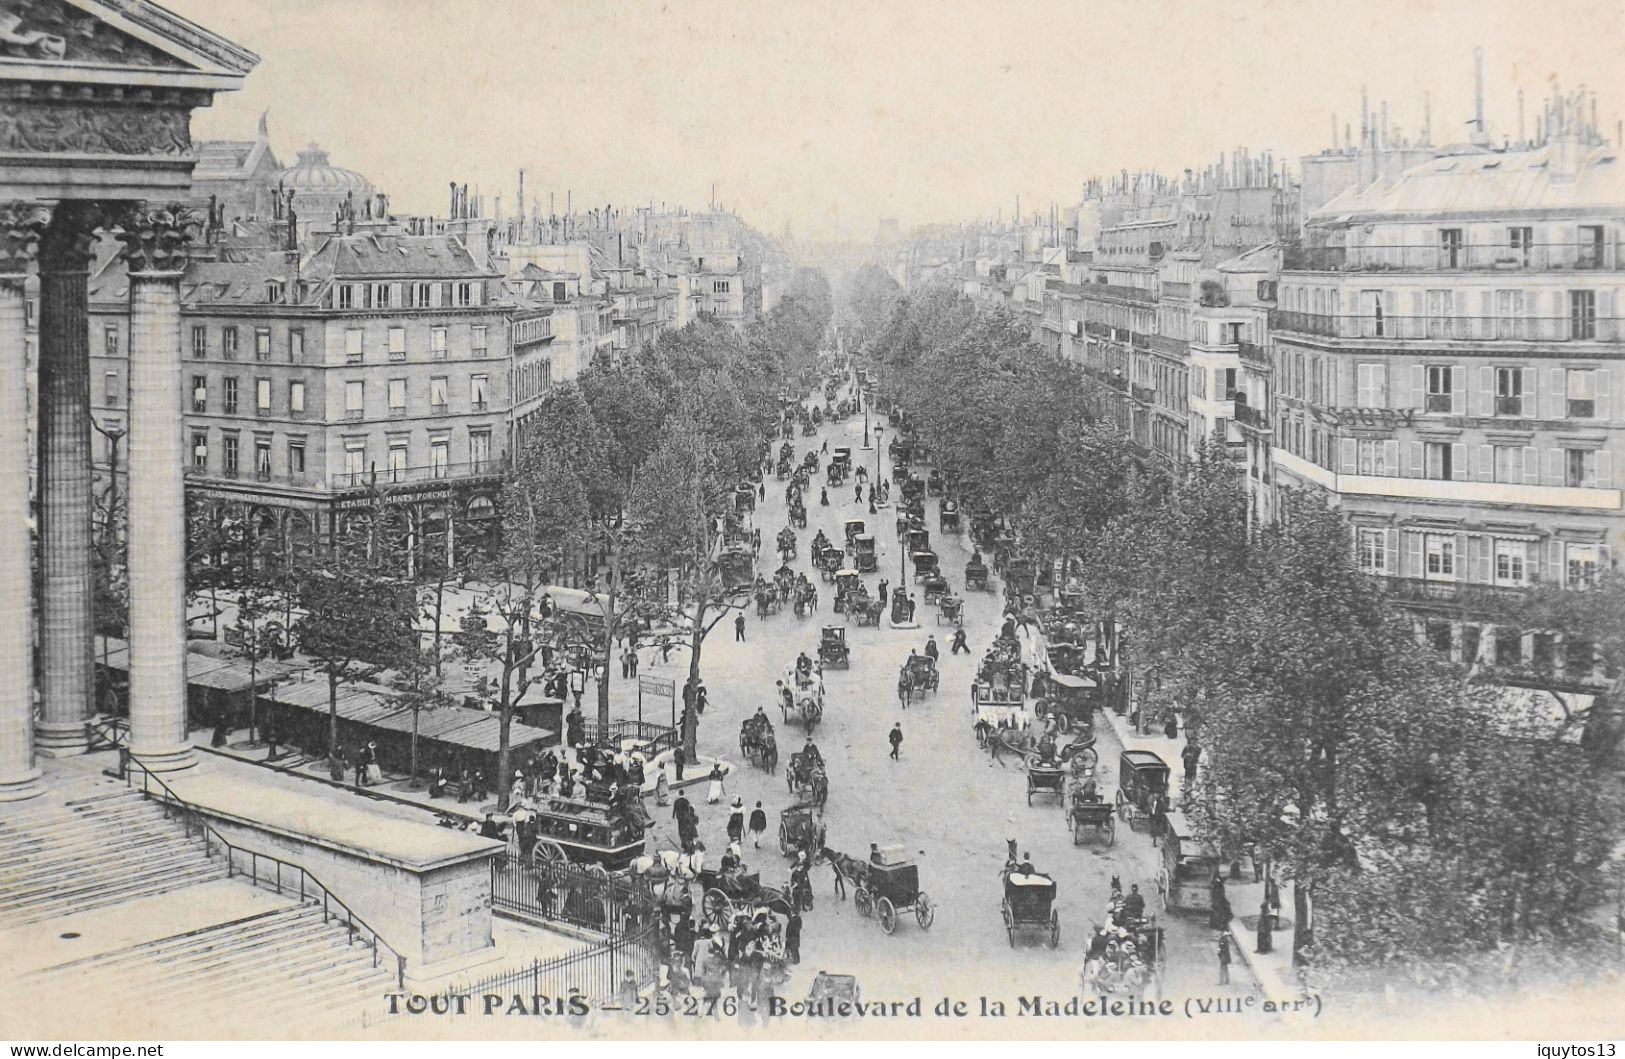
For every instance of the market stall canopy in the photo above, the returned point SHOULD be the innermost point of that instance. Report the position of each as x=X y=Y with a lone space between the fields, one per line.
x=207 y=668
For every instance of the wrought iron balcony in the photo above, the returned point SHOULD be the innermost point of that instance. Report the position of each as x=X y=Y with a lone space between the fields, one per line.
x=433 y=472
x=1250 y=417
x=1573 y=328
x=1442 y=257
x=1253 y=353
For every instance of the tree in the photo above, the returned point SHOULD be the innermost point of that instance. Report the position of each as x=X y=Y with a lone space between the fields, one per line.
x=677 y=508
x=419 y=687
x=257 y=600
x=355 y=621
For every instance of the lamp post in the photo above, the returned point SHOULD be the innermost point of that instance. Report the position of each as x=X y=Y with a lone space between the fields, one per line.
x=865 y=423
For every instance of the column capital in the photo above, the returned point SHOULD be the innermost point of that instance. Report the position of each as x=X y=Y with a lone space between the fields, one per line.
x=21 y=226
x=69 y=242
x=156 y=238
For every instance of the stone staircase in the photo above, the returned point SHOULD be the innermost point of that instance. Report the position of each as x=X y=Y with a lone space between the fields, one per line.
x=255 y=960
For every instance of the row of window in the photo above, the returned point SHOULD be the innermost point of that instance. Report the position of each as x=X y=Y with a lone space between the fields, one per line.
x=1509 y=391
x=1481 y=558
x=405 y=295
x=1575 y=468
x=354 y=343
x=479 y=395
x=358 y=467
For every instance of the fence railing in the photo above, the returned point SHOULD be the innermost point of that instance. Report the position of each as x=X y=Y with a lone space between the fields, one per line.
x=648 y=737
x=422 y=473
x=593 y=973
x=1443 y=257
x=1118 y=290
x=570 y=893
x=1573 y=328
x=109 y=733
x=1252 y=417
x=261 y=870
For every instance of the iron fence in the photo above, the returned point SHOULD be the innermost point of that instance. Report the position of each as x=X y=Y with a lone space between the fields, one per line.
x=593 y=973
x=582 y=896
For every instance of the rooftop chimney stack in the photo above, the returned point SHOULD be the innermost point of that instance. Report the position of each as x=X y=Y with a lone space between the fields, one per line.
x=1479 y=133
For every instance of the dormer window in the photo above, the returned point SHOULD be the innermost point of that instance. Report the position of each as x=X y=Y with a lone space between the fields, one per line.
x=275 y=291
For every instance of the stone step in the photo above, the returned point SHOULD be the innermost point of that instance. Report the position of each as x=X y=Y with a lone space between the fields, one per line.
x=160 y=879
x=182 y=945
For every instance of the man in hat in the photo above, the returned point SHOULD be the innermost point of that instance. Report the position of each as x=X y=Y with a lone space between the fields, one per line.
x=739 y=627
x=1224 y=958
x=896 y=740
x=1134 y=904
x=758 y=825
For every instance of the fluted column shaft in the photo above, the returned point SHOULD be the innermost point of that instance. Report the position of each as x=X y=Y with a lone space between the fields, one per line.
x=67 y=681
x=19 y=775
x=155 y=250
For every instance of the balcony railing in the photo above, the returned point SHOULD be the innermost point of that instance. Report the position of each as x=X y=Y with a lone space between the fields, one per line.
x=1253 y=418
x=432 y=472
x=1455 y=593
x=1478 y=257
x=1452 y=328
x=1146 y=394
x=1176 y=290
x=1253 y=353
x=1095 y=330
x=1118 y=290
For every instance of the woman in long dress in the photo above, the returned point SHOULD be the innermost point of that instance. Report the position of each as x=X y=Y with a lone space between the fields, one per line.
x=715 y=792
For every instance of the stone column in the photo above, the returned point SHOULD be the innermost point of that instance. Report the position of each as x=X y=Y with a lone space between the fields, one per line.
x=67 y=681
x=20 y=226
x=155 y=251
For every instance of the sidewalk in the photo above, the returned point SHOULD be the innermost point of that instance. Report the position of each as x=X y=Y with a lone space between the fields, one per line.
x=1273 y=971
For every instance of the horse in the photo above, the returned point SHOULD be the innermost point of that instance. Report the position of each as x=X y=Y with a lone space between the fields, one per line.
x=668 y=864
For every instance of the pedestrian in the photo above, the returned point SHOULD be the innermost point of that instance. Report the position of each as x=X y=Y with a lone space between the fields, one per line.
x=857 y=493
x=1224 y=958
x=736 y=821
x=896 y=740
x=758 y=825
x=715 y=791
x=885 y=586
x=792 y=936
x=931 y=648
x=702 y=699
x=761 y=493
x=662 y=786
x=679 y=759
x=632 y=657
x=1191 y=756
x=959 y=643
x=1170 y=727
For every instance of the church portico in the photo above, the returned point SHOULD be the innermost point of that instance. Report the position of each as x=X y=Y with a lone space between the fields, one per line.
x=95 y=139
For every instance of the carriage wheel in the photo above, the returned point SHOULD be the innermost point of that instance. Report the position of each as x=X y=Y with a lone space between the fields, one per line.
x=1111 y=830
x=547 y=852
x=862 y=902
x=1122 y=805
x=784 y=839
x=924 y=911
x=716 y=906
x=887 y=915
x=1054 y=930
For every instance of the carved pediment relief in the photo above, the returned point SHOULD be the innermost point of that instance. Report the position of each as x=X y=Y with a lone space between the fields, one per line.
x=60 y=31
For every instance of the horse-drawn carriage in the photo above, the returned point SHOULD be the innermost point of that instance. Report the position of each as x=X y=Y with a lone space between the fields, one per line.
x=976 y=576
x=804 y=596
x=933 y=483
x=1046 y=777
x=766 y=595
x=863 y=552
x=934 y=586
x=806 y=699
x=757 y=743
x=800 y=827
x=833 y=653
x=744 y=499
x=1142 y=785
x=829 y=561
x=782 y=471
x=737 y=566
x=1070 y=699
x=1184 y=882
x=919 y=538
x=726 y=894
x=1086 y=813
x=798 y=514
x=918 y=676
x=926 y=565
x=948 y=517
x=852 y=528
x=810 y=461
x=887 y=889
x=864 y=609
x=848 y=583
x=1019 y=579
x=805 y=778
x=950 y=608
x=1029 y=904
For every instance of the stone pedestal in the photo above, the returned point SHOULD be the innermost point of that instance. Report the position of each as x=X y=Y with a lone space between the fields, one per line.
x=67 y=683
x=19 y=775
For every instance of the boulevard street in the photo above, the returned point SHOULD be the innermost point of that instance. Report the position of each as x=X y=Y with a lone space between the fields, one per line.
x=944 y=802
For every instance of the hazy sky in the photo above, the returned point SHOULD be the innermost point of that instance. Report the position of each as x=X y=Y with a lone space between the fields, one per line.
x=830 y=115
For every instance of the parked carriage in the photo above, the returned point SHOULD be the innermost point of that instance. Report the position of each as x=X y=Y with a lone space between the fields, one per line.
x=833 y=652
x=889 y=889
x=1184 y=882
x=1029 y=905
x=948 y=517
x=950 y=610
x=787 y=544
x=935 y=587
x=848 y=583
x=851 y=528
x=926 y=565
x=1071 y=699
x=1142 y=781
x=976 y=576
